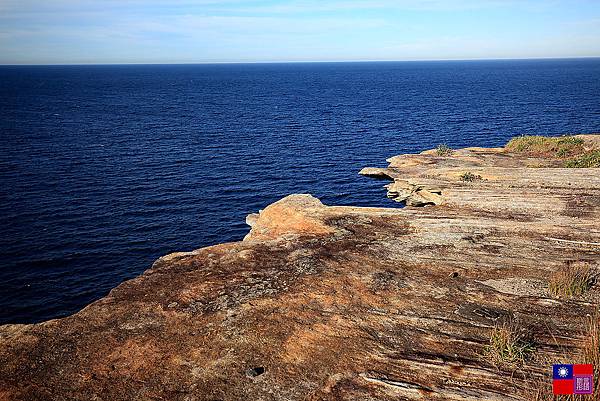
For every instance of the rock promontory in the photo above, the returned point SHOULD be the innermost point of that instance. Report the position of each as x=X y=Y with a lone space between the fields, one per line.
x=470 y=292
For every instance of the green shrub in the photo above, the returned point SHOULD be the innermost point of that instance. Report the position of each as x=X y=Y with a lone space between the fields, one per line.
x=587 y=160
x=470 y=177
x=443 y=150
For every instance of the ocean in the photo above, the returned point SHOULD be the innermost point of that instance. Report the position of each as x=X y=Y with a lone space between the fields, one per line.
x=103 y=169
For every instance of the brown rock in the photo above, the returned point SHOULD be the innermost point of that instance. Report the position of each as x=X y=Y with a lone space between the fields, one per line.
x=293 y=214
x=340 y=303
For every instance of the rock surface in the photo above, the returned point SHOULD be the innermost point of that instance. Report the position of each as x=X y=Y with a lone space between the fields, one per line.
x=341 y=303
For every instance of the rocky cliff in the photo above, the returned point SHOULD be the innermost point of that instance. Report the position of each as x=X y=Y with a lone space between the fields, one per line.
x=468 y=293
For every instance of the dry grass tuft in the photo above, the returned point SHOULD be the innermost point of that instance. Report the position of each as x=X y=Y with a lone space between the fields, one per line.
x=508 y=345
x=562 y=147
x=591 y=350
x=541 y=390
x=574 y=280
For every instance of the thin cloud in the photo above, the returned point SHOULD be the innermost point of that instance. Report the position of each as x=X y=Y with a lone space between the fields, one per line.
x=254 y=30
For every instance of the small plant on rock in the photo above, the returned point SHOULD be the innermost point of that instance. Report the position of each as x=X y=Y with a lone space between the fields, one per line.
x=541 y=388
x=591 y=349
x=508 y=345
x=470 y=177
x=573 y=280
x=443 y=150
x=587 y=160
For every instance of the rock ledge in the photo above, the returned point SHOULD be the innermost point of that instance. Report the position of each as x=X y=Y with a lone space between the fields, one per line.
x=342 y=303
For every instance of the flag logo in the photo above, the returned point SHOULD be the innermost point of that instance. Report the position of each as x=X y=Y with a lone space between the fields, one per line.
x=563 y=372
x=572 y=379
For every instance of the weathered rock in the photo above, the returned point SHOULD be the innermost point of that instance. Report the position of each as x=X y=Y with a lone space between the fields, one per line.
x=252 y=218
x=414 y=194
x=340 y=303
x=292 y=215
x=375 y=172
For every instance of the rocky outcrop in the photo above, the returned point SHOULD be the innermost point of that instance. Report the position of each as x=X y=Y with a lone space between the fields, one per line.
x=414 y=194
x=467 y=176
x=343 y=303
x=281 y=220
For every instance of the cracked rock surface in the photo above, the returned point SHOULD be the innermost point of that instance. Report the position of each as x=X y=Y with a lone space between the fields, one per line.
x=341 y=303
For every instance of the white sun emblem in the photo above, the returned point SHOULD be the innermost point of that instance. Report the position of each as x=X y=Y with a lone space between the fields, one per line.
x=563 y=372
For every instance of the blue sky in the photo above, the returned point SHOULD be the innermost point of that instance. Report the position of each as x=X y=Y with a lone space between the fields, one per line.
x=182 y=31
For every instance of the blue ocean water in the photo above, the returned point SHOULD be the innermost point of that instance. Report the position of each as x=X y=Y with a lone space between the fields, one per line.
x=105 y=168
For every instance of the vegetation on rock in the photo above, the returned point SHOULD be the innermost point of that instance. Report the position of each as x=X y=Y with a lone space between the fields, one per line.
x=541 y=389
x=443 y=150
x=572 y=281
x=591 y=350
x=562 y=146
x=508 y=345
x=586 y=160
x=469 y=177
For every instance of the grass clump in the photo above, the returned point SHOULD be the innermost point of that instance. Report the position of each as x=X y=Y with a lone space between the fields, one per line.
x=591 y=348
x=541 y=388
x=572 y=281
x=508 y=345
x=443 y=150
x=586 y=160
x=561 y=147
x=470 y=177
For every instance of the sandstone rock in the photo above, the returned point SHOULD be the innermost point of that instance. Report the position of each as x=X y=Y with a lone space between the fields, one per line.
x=414 y=194
x=340 y=303
x=375 y=172
x=252 y=218
x=290 y=215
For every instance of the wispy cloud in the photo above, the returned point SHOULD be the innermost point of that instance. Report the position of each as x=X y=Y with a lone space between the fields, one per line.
x=229 y=30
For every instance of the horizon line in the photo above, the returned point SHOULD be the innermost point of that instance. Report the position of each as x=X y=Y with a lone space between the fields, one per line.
x=302 y=61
